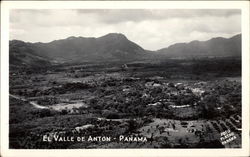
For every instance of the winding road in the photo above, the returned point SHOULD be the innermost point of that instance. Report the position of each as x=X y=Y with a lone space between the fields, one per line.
x=30 y=102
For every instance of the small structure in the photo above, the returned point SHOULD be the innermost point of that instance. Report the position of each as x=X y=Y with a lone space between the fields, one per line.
x=124 y=67
x=179 y=106
x=84 y=127
x=152 y=84
x=149 y=84
x=197 y=91
x=156 y=85
x=154 y=104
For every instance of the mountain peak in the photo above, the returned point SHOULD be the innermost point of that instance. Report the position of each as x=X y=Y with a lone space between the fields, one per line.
x=236 y=36
x=71 y=37
x=114 y=35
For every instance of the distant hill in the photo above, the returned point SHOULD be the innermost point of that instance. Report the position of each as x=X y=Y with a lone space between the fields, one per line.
x=22 y=54
x=114 y=47
x=216 y=47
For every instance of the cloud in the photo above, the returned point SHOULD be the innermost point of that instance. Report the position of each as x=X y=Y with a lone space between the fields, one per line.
x=116 y=16
x=151 y=29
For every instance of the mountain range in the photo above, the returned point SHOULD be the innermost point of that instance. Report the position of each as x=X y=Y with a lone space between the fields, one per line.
x=114 y=47
x=218 y=47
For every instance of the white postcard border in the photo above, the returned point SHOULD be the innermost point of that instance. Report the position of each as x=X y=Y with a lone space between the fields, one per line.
x=7 y=5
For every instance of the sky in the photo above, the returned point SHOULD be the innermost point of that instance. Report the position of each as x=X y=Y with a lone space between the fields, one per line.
x=151 y=29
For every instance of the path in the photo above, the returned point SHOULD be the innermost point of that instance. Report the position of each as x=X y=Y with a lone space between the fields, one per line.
x=30 y=102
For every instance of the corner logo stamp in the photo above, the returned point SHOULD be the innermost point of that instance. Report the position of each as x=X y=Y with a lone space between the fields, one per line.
x=227 y=136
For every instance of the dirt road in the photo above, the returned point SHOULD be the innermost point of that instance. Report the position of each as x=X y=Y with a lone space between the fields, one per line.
x=30 y=102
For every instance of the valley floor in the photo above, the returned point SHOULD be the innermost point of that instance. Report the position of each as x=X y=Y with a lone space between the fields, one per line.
x=160 y=105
